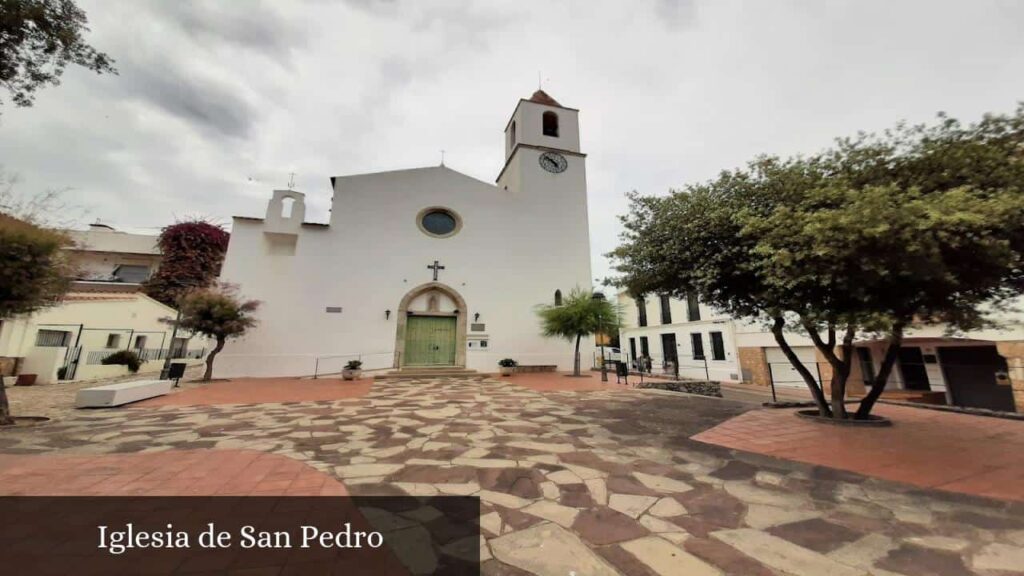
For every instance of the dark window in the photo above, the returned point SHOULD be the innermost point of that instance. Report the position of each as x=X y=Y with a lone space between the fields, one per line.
x=697 y=343
x=666 y=310
x=641 y=310
x=558 y=297
x=645 y=350
x=52 y=338
x=867 y=366
x=717 y=346
x=550 y=120
x=113 y=340
x=140 y=342
x=439 y=222
x=131 y=273
x=692 y=308
x=512 y=135
x=632 y=348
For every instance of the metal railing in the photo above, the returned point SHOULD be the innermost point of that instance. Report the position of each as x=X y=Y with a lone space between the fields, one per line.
x=95 y=357
x=681 y=367
x=334 y=363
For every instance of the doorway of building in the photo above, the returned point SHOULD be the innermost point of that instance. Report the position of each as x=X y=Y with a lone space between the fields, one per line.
x=970 y=373
x=430 y=341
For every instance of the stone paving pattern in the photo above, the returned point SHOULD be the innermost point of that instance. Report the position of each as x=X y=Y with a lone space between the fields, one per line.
x=597 y=482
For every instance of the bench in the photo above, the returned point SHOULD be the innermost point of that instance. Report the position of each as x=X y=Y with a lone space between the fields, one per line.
x=527 y=368
x=121 y=393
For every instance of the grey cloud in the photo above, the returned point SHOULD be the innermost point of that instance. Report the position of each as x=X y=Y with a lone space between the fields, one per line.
x=259 y=26
x=208 y=105
x=676 y=12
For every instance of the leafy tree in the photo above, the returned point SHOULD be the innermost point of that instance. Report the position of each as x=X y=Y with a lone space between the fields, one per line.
x=921 y=225
x=38 y=39
x=217 y=313
x=33 y=275
x=581 y=313
x=192 y=254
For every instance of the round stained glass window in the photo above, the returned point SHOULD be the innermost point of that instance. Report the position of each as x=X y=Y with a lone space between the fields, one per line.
x=439 y=222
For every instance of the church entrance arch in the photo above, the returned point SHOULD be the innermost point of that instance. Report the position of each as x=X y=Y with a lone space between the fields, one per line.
x=431 y=327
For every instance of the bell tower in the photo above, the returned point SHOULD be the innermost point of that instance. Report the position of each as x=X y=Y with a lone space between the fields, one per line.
x=542 y=121
x=542 y=149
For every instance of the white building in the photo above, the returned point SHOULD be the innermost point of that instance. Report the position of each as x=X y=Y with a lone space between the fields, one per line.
x=420 y=267
x=102 y=253
x=69 y=341
x=979 y=369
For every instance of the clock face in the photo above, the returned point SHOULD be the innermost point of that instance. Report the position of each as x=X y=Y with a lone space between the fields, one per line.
x=553 y=162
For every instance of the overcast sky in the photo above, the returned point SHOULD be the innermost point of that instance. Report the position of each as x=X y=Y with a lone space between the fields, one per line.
x=217 y=102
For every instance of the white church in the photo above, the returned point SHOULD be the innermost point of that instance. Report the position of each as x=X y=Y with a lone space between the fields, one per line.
x=424 y=267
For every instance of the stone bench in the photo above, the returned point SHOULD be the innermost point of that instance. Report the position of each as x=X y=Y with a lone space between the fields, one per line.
x=522 y=369
x=121 y=393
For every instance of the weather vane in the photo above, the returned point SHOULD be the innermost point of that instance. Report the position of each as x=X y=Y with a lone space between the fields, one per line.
x=291 y=180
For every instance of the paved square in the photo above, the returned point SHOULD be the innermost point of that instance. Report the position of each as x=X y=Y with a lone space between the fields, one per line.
x=603 y=481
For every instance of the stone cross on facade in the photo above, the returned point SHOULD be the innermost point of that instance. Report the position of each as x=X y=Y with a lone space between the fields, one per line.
x=435 y=267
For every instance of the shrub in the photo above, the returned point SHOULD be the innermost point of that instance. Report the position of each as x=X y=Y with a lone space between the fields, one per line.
x=354 y=365
x=125 y=357
x=507 y=363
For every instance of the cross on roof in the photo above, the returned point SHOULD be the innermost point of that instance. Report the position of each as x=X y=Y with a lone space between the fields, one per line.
x=435 y=267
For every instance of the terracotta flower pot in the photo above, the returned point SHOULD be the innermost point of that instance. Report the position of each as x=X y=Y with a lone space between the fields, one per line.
x=25 y=379
x=347 y=374
x=507 y=370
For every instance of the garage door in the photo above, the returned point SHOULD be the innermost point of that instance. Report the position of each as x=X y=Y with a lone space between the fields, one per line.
x=970 y=373
x=783 y=373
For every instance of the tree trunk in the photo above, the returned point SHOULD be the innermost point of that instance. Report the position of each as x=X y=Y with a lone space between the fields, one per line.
x=882 y=378
x=841 y=367
x=209 y=359
x=576 y=358
x=812 y=384
x=5 y=407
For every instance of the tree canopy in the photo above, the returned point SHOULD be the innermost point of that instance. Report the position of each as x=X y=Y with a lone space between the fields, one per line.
x=218 y=313
x=33 y=274
x=581 y=313
x=33 y=271
x=38 y=39
x=918 y=225
x=191 y=256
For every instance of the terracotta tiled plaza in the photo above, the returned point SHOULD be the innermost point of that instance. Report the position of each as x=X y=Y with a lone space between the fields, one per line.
x=581 y=478
x=927 y=448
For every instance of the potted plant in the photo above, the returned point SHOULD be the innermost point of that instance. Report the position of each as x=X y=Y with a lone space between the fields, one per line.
x=352 y=370
x=508 y=366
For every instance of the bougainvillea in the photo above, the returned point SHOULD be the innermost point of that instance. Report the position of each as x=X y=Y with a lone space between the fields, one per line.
x=193 y=252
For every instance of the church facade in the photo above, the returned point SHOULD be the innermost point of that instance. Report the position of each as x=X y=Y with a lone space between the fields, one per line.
x=420 y=267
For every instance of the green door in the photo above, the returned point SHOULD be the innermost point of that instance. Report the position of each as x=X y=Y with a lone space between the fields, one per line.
x=430 y=341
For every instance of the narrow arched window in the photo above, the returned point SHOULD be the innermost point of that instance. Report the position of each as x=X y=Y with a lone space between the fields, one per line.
x=286 y=207
x=512 y=135
x=550 y=120
x=558 y=297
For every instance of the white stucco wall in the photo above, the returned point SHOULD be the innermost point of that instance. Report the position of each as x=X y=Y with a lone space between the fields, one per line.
x=519 y=242
x=90 y=319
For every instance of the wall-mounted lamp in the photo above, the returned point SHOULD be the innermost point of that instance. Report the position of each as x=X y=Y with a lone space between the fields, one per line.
x=476 y=317
x=387 y=314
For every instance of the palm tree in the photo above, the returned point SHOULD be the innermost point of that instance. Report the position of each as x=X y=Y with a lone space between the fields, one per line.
x=581 y=313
